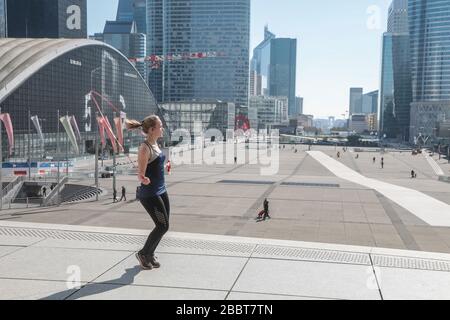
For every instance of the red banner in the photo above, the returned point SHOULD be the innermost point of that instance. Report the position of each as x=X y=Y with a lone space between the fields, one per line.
x=9 y=130
x=118 y=123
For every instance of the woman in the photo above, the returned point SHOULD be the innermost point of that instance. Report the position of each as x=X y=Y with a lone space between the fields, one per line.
x=153 y=193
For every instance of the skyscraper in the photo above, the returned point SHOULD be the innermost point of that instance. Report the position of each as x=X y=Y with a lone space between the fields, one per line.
x=275 y=63
x=298 y=105
x=429 y=26
x=398 y=17
x=283 y=66
x=356 y=100
x=125 y=11
x=396 y=95
x=47 y=18
x=2 y=18
x=188 y=26
x=133 y=10
x=155 y=39
x=370 y=102
x=122 y=35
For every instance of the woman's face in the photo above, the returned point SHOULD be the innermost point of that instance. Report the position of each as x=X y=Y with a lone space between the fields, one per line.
x=158 y=130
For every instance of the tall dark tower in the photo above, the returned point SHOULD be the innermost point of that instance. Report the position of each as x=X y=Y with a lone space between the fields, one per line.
x=47 y=18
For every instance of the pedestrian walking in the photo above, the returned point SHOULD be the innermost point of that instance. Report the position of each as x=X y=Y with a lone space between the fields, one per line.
x=114 y=195
x=153 y=192
x=169 y=167
x=266 y=210
x=374 y=159
x=124 y=194
x=44 y=192
x=413 y=174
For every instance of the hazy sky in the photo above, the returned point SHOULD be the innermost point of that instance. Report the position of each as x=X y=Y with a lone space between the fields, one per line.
x=339 y=44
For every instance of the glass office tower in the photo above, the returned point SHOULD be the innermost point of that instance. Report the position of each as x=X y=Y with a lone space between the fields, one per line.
x=201 y=26
x=2 y=18
x=125 y=10
x=429 y=25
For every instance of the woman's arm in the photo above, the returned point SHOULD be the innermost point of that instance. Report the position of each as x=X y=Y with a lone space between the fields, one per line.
x=143 y=157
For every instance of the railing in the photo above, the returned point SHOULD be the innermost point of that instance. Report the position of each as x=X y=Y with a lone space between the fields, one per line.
x=49 y=200
x=19 y=203
x=80 y=193
x=12 y=185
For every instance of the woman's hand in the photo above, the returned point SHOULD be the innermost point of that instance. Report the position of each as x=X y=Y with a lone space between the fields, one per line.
x=144 y=180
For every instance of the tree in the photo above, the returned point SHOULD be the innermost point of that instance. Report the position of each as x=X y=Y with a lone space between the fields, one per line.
x=354 y=140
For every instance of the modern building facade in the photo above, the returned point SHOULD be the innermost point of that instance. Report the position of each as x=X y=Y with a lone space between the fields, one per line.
x=125 y=11
x=133 y=10
x=47 y=19
x=283 y=66
x=359 y=123
x=298 y=106
x=271 y=111
x=3 y=24
x=123 y=36
x=429 y=27
x=398 y=17
x=356 y=100
x=370 y=102
x=396 y=88
x=187 y=26
x=61 y=74
x=275 y=65
x=197 y=117
x=155 y=46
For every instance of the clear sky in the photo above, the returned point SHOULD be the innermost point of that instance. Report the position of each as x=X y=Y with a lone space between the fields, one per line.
x=339 y=44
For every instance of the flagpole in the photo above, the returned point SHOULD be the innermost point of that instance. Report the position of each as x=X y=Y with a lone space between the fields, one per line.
x=57 y=154
x=29 y=145
x=1 y=165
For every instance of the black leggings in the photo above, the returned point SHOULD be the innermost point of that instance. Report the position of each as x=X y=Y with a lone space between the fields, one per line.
x=159 y=210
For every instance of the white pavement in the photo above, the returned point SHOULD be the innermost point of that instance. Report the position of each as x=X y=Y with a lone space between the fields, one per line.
x=434 y=212
x=433 y=163
x=39 y=261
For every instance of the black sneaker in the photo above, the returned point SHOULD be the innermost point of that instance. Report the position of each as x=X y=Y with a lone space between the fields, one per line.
x=152 y=261
x=145 y=265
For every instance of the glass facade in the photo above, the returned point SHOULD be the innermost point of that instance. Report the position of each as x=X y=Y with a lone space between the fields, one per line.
x=189 y=26
x=429 y=25
x=275 y=64
x=398 y=17
x=2 y=18
x=64 y=84
x=125 y=10
x=140 y=16
x=402 y=84
x=356 y=100
x=386 y=117
x=47 y=18
x=283 y=66
x=155 y=39
x=197 y=117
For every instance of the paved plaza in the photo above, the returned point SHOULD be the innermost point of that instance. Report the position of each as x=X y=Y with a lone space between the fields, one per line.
x=336 y=223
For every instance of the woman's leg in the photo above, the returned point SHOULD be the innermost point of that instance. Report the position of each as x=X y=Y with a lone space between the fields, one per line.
x=156 y=208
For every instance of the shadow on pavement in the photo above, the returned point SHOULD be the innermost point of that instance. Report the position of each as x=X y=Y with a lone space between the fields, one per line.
x=98 y=287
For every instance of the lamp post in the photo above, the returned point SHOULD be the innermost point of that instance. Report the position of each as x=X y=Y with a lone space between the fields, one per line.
x=29 y=145
x=1 y=165
x=57 y=155
x=96 y=161
x=114 y=159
